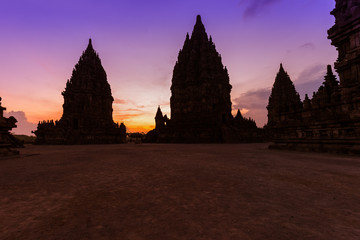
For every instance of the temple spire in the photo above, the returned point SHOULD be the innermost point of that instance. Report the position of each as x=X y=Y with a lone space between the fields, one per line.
x=159 y=113
x=283 y=98
x=330 y=78
x=198 y=19
x=329 y=70
x=281 y=68
x=199 y=30
x=238 y=115
x=90 y=47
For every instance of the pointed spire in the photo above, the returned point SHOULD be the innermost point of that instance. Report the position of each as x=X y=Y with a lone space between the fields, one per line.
x=88 y=72
x=330 y=78
x=329 y=70
x=90 y=52
x=158 y=113
x=199 y=30
x=281 y=68
x=238 y=115
x=282 y=75
x=307 y=102
x=198 y=19
x=90 y=47
x=199 y=62
x=186 y=43
x=283 y=97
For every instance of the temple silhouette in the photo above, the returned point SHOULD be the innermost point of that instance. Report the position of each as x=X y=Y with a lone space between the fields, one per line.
x=7 y=141
x=87 y=109
x=200 y=98
x=330 y=120
x=200 y=103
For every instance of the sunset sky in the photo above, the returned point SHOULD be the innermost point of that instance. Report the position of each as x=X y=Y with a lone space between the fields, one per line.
x=138 y=42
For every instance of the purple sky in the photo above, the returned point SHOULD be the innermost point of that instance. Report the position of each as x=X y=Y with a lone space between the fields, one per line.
x=138 y=42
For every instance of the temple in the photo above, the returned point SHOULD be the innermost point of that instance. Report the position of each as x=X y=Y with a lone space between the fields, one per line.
x=87 y=109
x=7 y=141
x=200 y=98
x=330 y=120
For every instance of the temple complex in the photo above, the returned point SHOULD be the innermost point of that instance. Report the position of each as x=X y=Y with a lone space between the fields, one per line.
x=7 y=141
x=200 y=98
x=87 y=109
x=330 y=120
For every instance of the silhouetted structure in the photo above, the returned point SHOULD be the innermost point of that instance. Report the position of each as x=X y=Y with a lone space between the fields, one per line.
x=7 y=141
x=200 y=102
x=330 y=120
x=283 y=99
x=87 y=109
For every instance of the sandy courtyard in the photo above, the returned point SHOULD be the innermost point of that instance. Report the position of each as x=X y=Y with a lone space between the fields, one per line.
x=145 y=191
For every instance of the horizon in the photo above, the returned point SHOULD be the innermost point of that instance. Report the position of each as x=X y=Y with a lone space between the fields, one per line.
x=138 y=48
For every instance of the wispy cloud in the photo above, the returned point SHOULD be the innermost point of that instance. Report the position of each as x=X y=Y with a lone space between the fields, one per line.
x=311 y=73
x=133 y=110
x=307 y=46
x=125 y=116
x=310 y=79
x=254 y=99
x=120 y=101
x=254 y=7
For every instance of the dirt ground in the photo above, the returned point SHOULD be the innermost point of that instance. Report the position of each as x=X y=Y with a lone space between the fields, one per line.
x=158 y=191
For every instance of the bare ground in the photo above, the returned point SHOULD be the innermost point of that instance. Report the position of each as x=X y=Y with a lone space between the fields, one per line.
x=145 y=191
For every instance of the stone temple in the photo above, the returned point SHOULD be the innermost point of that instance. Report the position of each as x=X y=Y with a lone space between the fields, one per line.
x=200 y=98
x=87 y=109
x=7 y=141
x=330 y=120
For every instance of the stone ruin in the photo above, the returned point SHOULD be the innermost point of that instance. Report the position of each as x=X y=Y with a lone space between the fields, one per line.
x=330 y=120
x=200 y=102
x=7 y=140
x=87 y=109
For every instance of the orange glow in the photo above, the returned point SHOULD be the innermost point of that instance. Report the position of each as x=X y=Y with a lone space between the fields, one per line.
x=144 y=129
x=35 y=117
x=136 y=122
x=244 y=111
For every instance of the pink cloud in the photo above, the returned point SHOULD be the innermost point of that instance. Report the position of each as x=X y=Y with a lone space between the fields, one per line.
x=23 y=125
x=120 y=101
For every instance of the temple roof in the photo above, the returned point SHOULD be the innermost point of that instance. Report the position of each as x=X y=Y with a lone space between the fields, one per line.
x=158 y=113
x=89 y=74
x=283 y=94
x=199 y=32
x=198 y=60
